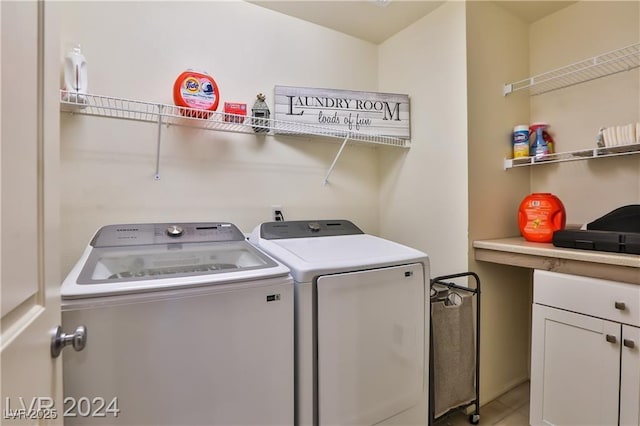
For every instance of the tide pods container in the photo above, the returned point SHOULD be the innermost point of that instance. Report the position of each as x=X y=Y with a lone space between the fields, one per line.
x=198 y=91
x=539 y=216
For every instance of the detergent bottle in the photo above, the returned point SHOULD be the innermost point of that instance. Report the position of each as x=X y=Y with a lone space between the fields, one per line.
x=75 y=76
x=540 y=147
x=539 y=216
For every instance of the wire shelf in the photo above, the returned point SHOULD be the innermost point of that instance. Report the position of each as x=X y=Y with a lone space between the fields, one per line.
x=106 y=106
x=584 y=154
x=616 y=61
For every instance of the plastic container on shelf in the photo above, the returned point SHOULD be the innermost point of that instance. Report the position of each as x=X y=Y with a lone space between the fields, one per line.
x=533 y=128
x=520 y=141
x=540 y=147
x=197 y=91
x=75 y=76
x=540 y=215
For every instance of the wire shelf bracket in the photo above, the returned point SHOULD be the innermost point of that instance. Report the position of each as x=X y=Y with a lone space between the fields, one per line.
x=609 y=63
x=162 y=114
x=157 y=175
x=335 y=160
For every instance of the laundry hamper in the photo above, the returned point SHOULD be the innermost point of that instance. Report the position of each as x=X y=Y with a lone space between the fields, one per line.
x=454 y=379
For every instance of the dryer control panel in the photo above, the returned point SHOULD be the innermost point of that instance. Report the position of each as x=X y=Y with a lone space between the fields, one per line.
x=165 y=233
x=307 y=228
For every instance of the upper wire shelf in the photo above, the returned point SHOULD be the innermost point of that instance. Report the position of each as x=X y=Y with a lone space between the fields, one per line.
x=613 y=62
x=584 y=154
x=106 y=106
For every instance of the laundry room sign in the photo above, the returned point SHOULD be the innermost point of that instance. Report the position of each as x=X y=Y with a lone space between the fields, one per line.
x=383 y=114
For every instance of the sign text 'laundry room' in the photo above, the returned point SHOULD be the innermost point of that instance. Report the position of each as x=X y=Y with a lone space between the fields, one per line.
x=383 y=114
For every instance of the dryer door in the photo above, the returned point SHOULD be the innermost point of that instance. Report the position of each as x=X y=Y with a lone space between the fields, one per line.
x=371 y=344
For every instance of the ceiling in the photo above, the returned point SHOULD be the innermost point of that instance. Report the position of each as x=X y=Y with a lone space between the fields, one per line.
x=377 y=20
x=531 y=11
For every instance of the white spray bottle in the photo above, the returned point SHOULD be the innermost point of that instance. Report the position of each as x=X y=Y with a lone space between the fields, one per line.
x=75 y=76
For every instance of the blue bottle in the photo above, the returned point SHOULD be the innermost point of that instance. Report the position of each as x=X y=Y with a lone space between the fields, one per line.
x=540 y=147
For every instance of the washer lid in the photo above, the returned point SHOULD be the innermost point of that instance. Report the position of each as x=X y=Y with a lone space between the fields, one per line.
x=156 y=261
x=124 y=259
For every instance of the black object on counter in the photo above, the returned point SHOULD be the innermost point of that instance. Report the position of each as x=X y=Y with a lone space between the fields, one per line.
x=617 y=242
x=617 y=231
x=622 y=219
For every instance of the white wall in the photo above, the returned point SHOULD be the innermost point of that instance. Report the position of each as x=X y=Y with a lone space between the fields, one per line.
x=423 y=193
x=497 y=52
x=136 y=50
x=450 y=188
x=501 y=49
x=588 y=189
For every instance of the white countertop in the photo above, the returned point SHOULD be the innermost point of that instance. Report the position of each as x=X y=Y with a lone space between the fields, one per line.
x=517 y=251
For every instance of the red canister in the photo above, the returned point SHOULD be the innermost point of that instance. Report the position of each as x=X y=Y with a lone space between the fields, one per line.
x=539 y=215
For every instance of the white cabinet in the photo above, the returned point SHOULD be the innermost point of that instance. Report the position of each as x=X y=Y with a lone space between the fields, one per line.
x=630 y=376
x=585 y=362
x=574 y=370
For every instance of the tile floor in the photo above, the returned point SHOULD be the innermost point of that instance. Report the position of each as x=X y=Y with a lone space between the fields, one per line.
x=510 y=409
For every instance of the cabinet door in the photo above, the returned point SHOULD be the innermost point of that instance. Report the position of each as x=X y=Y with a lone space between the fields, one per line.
x=630 y=376
x=575 y=368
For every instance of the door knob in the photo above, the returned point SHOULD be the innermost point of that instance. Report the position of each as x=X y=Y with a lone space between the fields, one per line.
x=59 y=340
x=611 y=338
x=629 y=343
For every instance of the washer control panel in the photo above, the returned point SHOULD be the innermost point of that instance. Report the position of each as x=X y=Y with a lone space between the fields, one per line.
x=165 y=233
x=307 y=228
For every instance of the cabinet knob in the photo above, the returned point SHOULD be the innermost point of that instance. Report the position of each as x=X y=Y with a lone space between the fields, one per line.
x=611 y=338
x=629 y=343
x=620 y=305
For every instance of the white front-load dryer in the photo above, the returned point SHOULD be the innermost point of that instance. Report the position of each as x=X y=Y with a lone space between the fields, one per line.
x=361 y=323
x=187 y=324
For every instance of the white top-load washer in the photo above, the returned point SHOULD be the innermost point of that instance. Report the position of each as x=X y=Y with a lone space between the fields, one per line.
x=187 y=324
x=361 y=323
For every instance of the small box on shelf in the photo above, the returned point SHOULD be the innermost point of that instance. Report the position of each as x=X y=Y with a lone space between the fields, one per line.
x=621 y=135
x=235 y=112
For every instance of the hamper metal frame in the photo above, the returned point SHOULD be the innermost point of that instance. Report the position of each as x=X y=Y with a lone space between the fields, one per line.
x=474 y=418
